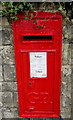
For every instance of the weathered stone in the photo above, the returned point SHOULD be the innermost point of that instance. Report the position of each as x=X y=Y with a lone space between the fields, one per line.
x=66 y=32
x=66 y=115
x=0 y=59
x=66 y=54
x=10 y=113
x=8 y=55
x=72 y=54
x=66 y=109
x=15 y=99
x=66 y=69
x=1 y=76
x=0 y=114
x=1 y=51
x=7 y=36
x=72 y=78
x=66 y=86
x=72 y=34
x=7 y=99
x=9 y=73
x=0 y=38
x=0 y=86
x=1 y=104
x=9 y=86
x=72 y=102
x=4 y=22
x=66 y=91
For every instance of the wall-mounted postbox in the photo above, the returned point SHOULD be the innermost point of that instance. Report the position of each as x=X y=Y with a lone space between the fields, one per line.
x=38 y=64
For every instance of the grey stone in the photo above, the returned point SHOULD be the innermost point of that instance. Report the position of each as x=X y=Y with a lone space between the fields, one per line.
x=66 y=54
x=0 y=27
x=66 y=114
x=1 y=51
x=65 y=101
x=72 y=78
x=7 y=99
x=7 y=36
x=0 y=114
x=9 y=86
x=66 y=32
x=72 y=34
x=0 y=86
x=10 y=113
x=72 y=100
x=8 y=55
x=0 y=38
x=66 y=91
x=0 y=59
x=5 y=22
x=66 y=109
x=72 y=54
x=1 y=76
x=66 y=70
x=15 y=99
x=9 y=73
x=1 y=104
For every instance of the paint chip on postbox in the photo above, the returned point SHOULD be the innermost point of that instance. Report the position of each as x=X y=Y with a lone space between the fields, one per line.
x=38 y=64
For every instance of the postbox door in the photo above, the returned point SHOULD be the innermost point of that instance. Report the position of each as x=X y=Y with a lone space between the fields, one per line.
x=38 y=90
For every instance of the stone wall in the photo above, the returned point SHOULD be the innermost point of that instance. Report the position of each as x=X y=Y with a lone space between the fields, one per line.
x=8 y=84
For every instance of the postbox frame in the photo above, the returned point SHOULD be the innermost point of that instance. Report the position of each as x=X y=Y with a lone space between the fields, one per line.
x=19 y=52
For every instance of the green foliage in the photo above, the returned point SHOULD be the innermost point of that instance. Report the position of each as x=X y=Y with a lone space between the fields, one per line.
x=26 y=18
x=10 y=9
x=34 y=21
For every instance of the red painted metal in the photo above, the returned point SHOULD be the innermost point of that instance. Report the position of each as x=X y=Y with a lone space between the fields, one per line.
x=38 y=97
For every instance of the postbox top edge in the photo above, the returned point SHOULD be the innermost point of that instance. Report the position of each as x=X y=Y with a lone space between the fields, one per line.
x=42 y=15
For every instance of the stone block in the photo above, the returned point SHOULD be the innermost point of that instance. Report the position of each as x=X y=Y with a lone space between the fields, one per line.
x=7 y=36
x=66 y=115
x=7 y=99
x=65 y=101
x=15 y=99
x=66 y=70
x=9 y=73
x=1 y=51
x=66 y=91
x=72 y=56
x=0 y=59
x=0 y=27
x=66 y=32
x=0 y=114
x=8 y=55
x=9 y=86
x=0 y=38
x=1 y=76
x=0 y=86
x=66 y=54
x=72 y=78
x=10 y=113
x=72 y=34
x=5 y=22
x=1 y=104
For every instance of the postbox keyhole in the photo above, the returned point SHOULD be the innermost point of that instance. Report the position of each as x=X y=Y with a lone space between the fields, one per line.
x=30 y=83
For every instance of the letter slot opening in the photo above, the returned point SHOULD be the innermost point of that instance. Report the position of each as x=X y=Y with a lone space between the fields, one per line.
x=38 y=38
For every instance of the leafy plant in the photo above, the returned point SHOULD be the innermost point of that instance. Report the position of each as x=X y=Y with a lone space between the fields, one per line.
x=10 y=9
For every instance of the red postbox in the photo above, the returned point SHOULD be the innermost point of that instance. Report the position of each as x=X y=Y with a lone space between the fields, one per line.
x=38 y=64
